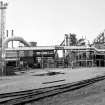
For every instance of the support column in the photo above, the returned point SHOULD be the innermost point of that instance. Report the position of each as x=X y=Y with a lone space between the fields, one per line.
x=42 y=63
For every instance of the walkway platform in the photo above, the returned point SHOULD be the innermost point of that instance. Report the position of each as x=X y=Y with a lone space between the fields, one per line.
x=35 y=79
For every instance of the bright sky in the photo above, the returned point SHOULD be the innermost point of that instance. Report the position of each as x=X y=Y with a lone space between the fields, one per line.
x=46 y=21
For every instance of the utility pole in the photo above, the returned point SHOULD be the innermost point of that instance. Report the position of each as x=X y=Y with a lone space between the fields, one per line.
x=3 y=7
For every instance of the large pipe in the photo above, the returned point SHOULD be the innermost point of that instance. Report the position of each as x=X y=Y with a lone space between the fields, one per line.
x=15 y=38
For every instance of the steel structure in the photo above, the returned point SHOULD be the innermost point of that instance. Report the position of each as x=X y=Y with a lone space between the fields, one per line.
x=83 y=54
x=43 y=48
x=3 y=7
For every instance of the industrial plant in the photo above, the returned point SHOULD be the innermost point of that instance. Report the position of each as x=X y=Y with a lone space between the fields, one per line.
x=63 y=74
x=75 y=52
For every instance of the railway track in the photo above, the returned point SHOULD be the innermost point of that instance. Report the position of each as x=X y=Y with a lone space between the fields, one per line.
x=22 y=97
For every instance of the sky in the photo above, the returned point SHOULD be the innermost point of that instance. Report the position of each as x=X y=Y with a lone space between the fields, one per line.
x=47 y=21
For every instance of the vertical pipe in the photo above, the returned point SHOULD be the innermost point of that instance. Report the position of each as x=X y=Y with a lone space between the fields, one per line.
x=1 y=36
x=7 y=35
x=93 y=59
x=66 y=39
x=42 y=61
x=86 y=58
x=64 y=57
x=69 y=40
x=12 y=33
x=104 y=36
x=7 y=32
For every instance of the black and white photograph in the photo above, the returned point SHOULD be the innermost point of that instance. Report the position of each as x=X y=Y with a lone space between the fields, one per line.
x=52 y=52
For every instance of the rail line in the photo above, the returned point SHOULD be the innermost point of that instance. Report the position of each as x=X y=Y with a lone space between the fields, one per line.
x=22 y=97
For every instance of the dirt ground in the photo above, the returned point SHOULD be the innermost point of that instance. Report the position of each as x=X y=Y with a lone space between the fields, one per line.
x=39 y=79
x=90 y=95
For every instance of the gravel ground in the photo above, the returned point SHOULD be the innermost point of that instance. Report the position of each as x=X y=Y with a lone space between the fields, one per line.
x=90 y=95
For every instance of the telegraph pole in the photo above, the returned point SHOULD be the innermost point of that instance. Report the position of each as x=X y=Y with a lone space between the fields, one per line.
x=3 y=7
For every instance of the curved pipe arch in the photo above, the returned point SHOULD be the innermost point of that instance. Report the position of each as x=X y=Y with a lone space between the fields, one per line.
x=16 y=38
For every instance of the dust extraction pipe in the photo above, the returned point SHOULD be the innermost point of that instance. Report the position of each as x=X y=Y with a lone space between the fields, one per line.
x=15 y=38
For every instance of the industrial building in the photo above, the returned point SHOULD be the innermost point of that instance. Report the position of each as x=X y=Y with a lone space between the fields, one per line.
x=78 y=55
x=75 y=52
